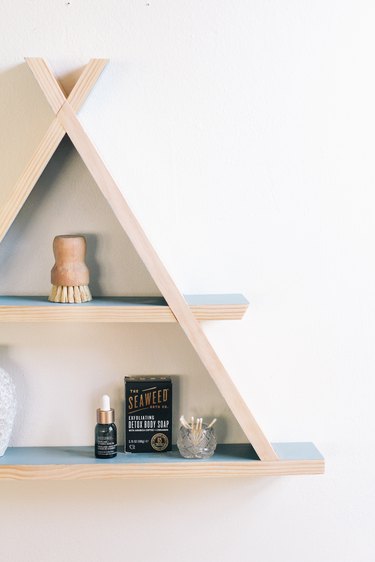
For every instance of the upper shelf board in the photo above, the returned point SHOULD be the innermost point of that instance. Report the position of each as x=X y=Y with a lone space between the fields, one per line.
x=119 y=309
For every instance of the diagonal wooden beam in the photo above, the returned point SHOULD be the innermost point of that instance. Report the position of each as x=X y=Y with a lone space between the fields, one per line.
x=47 y=82
x=86 y=82
x=53 y=135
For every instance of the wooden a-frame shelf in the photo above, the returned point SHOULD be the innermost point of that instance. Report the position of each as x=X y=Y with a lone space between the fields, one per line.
x=119 y=309
x=258 y=457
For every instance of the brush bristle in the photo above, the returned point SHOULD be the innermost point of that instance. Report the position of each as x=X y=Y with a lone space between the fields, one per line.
x=77 y=294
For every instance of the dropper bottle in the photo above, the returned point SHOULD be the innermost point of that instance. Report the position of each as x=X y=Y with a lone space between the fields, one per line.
x=105 y=430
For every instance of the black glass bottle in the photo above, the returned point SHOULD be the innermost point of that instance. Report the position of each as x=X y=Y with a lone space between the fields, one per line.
x=105 y=431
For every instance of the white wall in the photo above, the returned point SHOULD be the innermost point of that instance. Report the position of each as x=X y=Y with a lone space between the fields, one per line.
x=242 y=135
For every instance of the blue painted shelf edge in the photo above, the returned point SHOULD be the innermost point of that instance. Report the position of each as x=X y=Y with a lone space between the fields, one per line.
x=192 y=300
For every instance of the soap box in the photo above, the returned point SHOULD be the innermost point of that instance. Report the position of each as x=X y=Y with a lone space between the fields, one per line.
x=148 y=414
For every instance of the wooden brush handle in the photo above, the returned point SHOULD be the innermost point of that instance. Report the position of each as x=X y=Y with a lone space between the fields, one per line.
x=70 y=269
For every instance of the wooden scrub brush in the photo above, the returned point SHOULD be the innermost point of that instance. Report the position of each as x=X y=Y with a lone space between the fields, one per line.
x=70 y=274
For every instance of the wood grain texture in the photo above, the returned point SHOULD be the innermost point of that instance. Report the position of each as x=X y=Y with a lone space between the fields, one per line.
x=47 y=463
x=183 y=470
x=86 y=82
x=47 y=82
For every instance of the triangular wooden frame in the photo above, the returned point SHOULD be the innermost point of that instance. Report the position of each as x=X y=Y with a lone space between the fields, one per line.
x=65 y=109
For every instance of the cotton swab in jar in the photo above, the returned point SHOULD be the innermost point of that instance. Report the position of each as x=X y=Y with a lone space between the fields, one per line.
x=212 y=423
x=196 y=424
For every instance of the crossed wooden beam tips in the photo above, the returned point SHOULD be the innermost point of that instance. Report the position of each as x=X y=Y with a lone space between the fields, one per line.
x=52 y=89
x=65 y=107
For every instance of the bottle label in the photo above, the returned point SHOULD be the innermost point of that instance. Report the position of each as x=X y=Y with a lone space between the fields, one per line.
x=105 y=447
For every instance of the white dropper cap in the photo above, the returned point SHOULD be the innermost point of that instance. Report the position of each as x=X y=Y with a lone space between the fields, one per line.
x=105 y=414
x=105 y=403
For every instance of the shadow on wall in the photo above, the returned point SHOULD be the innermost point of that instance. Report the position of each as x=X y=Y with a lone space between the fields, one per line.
x=24 y=117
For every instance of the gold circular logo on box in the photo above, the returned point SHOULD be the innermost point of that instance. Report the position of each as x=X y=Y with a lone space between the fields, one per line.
x=159 y=442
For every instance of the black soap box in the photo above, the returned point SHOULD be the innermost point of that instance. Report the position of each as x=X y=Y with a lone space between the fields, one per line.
x=148 y=414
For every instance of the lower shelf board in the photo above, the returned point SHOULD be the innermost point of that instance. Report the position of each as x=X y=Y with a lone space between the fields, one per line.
x=75 y=463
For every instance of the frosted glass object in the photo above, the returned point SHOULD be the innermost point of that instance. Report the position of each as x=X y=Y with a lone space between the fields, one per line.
x=196 y=444
x=7 y=409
